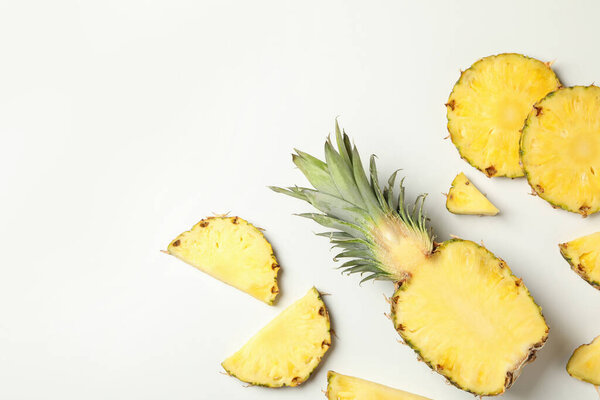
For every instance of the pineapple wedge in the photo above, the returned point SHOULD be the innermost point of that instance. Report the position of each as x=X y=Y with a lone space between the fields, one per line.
x=560 y=149
x=288 y=349
x=583 y=254
x=464 y=198
x=584 y=364
x=488 y=105
x=342 y=387
x=233 y=251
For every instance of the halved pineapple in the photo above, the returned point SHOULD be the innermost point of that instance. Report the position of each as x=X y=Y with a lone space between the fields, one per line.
x=583 y=254
x=488 y=105
x=287 y=349
x=584 y=364
x=233 y=251
x=343 y=387
x=469 y=318
x=560 y=149
x=464 y=198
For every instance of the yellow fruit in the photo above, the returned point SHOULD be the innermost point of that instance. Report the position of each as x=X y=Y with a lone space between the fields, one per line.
x=583 y=254
x=287 y=349
x=488 y=105
x=469 y=318
x=464 y=198
x=342 y=387
x=233 y=251
x=584 y=364
x=560 y=149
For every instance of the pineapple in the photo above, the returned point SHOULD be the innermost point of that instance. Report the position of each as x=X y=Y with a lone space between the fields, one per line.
x=488 y=105
x=465 y=198
x=458 y=306
x=583 y=254
x=233 y=251
x=584 y=364
x=287 y=350
x=342 y=387
x=560 y=149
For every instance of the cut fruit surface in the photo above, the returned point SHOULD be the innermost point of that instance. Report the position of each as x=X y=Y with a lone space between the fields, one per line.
x=583 y=254
x=464 y=198
x=488 y=105
x=560 y=149
x=342 y=387
x=469 y=318
x=233 y=251
x=287 y=350
x=584 y=364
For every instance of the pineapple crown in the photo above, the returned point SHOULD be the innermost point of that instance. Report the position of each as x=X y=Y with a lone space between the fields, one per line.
x=369 y=222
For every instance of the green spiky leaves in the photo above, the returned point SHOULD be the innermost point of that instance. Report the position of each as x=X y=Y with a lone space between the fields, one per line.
x=368 y=223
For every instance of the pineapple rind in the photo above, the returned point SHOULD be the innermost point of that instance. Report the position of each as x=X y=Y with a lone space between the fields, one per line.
x=511 y=373
x=464 y=198
x=257 y=272
x=583 y=255
x=496 y=155
x=312 y=303
x=566 y=173
x=584 y=363
x=343 y=387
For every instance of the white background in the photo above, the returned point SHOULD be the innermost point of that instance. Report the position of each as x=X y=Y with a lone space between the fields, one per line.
x=123 y=123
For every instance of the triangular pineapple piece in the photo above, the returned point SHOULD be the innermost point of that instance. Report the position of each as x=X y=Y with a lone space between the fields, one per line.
x=465 y=198
x=287 y=350
x=584 y=364
x=584 y=256
x=233 y=251
x=342 y=387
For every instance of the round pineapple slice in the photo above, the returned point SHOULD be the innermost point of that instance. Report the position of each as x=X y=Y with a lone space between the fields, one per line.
x=488 y=105
x=560 y=149
x=288 y=349
x=469 y=318
x=584 y=364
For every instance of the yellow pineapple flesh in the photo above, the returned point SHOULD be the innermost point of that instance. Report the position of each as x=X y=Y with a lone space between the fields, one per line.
x=233 y=251
x=343 y=387
x=287 y=350
x=464 y=198
x=488 y=105
x=583 y=254
x=469 y=318
x=560 y=149
x=584 y=364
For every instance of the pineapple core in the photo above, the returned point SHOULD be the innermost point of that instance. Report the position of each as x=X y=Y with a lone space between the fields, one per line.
x=287 y=349
x=342 y=387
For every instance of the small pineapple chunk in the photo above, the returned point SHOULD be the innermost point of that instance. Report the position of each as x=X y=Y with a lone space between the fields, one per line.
x=233 y=251
x=584 y=364
x=342 y=387
x=287 y=350
x=583 y=254
x=465 y=198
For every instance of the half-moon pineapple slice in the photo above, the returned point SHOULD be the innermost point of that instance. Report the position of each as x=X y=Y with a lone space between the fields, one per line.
x=464 y=198
x=488 y=105
x=342 y=387
x=233 y=251
x=584 y=364
x=583 y=254
x=560 y=149
x=287 y=350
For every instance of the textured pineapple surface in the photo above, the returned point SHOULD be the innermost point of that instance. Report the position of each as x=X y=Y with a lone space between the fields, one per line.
x=233 y=251
x=583 y=254
x=584 y=364
x=343 y=387
x=464 y=198
x=488 y=105
x=469 y=318
x=287 y=349
x=560 y=149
